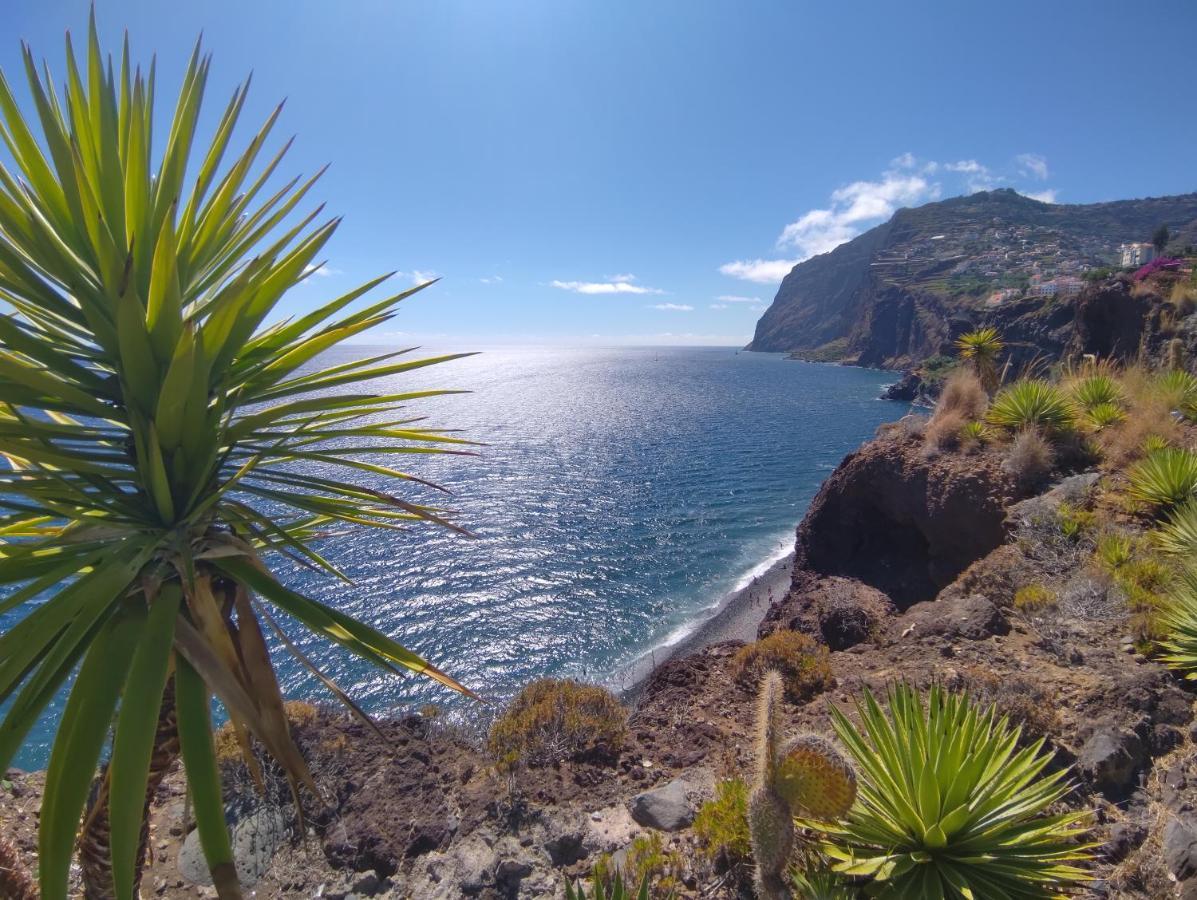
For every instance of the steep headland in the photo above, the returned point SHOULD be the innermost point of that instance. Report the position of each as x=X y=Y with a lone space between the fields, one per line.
x=901 y=292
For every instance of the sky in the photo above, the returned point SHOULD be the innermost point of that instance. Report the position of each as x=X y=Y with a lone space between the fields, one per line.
x=646 y=171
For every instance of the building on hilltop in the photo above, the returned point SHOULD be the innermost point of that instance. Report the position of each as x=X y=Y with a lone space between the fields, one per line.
x=1136 y=254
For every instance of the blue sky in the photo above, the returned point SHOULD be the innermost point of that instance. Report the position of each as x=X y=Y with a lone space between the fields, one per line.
x=644 y=171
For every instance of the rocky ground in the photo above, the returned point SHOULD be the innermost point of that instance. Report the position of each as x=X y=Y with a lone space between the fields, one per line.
x=906 y=567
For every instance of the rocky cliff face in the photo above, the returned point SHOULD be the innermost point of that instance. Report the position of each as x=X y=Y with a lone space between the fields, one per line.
x=903 y=291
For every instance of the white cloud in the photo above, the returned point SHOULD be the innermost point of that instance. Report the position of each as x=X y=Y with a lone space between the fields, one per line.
x=856 y=207
x=1045 y=196
x=323 y=270
x=492 y=279
x=673 y=307
x=1032 y=164
x=616 y=284
x=419 y=276
x=762 y=271
x=736 y=298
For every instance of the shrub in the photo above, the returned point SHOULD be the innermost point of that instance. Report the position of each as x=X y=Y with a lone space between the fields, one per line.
x=1032 y=403
x=943 y=432
x=1097 y=389
x=1073 y=522
x=1146 y=582
x=974 y=433
x=722 y=822
x=1103 y=415
x=1178 y=626
x=804 y=664
x=964 y=394
x=1029 y=460
x=608 y=887
x=551 y=720
x=1033 y=598
x=947 y=808
x=1164 y=478
x=646 y=863
x=1114 y=550
x=1178 y=389
x=1155 y=442
x=1178 y=534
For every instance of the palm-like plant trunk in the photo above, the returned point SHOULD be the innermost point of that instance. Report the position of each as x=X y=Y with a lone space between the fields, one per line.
x=95 y=846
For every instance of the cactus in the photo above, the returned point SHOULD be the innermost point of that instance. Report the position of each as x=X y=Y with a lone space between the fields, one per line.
x=807 y=777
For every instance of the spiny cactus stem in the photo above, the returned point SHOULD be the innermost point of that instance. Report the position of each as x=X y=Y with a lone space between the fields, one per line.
x=768 y=728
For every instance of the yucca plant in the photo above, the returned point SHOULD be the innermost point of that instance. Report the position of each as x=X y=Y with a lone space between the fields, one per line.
x=1103 y=415
x=982 y=348
x=161 y=438
x=1031 y=403
x=612 y=888
x=1177 y=621
x=949 y=806
x=1164 y=478
x=1097 y=389
x=1178 y=533
x=975 y=432
x=1179 y=390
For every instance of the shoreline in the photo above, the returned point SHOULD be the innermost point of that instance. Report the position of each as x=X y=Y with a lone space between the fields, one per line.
x=736 y=618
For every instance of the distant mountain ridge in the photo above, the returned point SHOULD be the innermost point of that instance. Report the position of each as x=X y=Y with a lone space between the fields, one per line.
x=899 y=292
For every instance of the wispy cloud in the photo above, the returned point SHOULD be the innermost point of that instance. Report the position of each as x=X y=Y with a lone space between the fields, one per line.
x=1046 y=196
x=736 y=298
x=673 y=307
x=615 y=284
x=323 y=270
x=419 y=276
x=492 y=279
x=856 y=207
x=1032 y=164
x=762 y=271
x=718 y=306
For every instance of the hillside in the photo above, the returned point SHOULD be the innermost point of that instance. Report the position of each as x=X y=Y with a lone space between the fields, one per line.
x=901 y=291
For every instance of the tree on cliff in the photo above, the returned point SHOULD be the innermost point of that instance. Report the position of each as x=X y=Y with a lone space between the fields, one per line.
x=152 y=426
x=1159 y=238
x=982 y=348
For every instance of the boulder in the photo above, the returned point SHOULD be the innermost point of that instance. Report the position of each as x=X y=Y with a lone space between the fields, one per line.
x=666 y=808
x=972 y=618
x=256 y=838
x=842 y=612
x=1110 y=760
x=1180 y=847
x=902 y=523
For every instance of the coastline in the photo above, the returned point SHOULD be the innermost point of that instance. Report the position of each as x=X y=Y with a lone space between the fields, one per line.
x=735 y=619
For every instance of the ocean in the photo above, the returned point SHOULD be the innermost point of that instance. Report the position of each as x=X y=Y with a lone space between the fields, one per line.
x=620 y=496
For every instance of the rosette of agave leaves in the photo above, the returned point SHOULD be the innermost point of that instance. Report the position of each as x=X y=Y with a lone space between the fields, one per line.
x=155 y=417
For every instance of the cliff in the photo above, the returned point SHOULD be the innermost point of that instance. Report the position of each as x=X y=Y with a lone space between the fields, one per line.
x=904 y=290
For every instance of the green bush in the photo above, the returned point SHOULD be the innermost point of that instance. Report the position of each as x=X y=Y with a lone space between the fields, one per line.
x=947 y=807
x=1178 y=626
x=1032 y=598
x=1098 y=389
x=1178 y=534
x=551 y=720
x=646 y=863
x=609 y=888
x=1165 y=478
x=974 y=432
x=1103 y=415
x=1178 y=388
x=803 y=663
x=1074 y=522
x=1032 y=403
x=722 y=822
x=1114 y=550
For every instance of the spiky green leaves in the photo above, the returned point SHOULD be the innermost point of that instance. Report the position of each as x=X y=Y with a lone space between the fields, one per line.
x=1031 y=403
x=982 y=348
x=1178 y=620
x=1164 y=478
x=950 y=806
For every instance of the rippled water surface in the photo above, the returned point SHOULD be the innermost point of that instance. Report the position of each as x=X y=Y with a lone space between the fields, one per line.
x=623 y=493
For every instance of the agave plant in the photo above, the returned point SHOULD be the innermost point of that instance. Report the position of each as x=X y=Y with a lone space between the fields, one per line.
x=1098 y=389
x=1164 y=478
x=1103 y=415
x=949 y=806
x=1178 y=622
x=1179 y=390
x=613 y=888
x=1178 y=533
x=156 y=431
x=982 y=348
x=1031 y=403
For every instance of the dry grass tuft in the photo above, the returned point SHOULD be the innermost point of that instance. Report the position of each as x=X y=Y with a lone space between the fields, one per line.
x=1029 y=460
x=963 y=394
x=556 y=719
